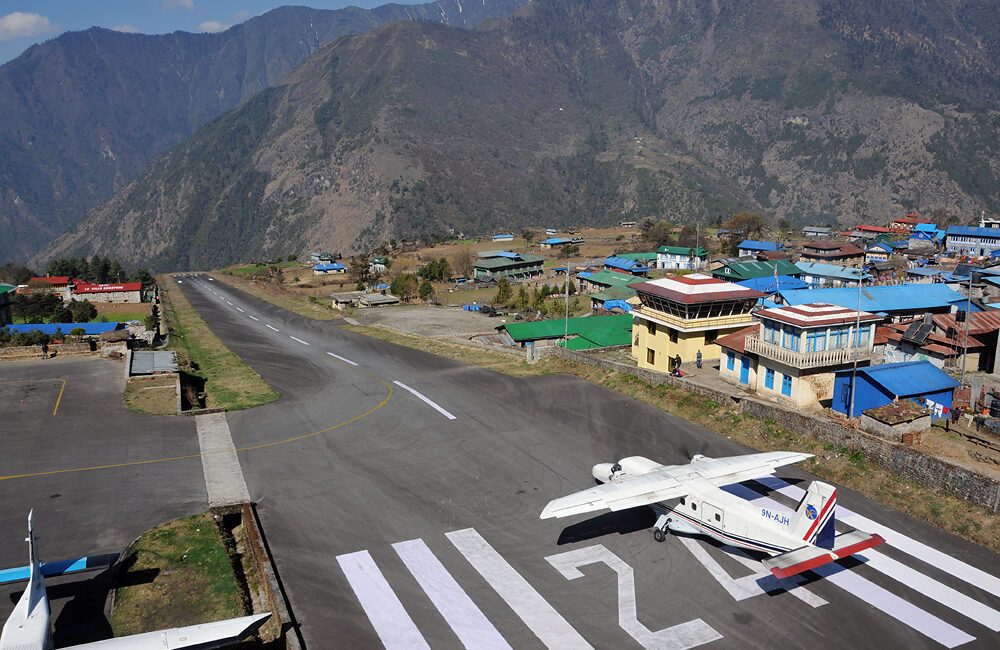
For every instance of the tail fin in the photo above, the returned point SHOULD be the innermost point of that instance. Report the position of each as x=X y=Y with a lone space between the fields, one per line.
x=814 y=520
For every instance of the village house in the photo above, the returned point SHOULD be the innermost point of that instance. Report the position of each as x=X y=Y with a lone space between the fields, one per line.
x=820 y=275
x=60 y=285
x=682 y=315
x=878 y=252
x=681 y=257
x=503 y=236
x=817 y=232
x=921 y=340
x=750 y=247
x=507 y=264
x=123 y=292
x=894 y=302
x=845 y=254
x=907 y=224
x=734 y=271
x=620 y=264
x=971 y=241
x=559 y=242
x=329 y=268
x=792 y=355
x=876 y=386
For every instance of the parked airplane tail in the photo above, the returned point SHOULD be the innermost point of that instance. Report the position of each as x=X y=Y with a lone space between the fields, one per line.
x=815 y=518
x=806 y=558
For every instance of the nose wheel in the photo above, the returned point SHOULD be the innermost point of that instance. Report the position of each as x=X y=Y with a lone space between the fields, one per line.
x=659 y=535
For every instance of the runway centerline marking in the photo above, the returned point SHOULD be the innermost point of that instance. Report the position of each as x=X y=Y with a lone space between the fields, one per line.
x=238 y=309
x=393 y=625
x=229 y=303
x=253 y=317
x=426 y=400
x=468 y=622
x=273 y=328
x=299 y=340
x=344 y=359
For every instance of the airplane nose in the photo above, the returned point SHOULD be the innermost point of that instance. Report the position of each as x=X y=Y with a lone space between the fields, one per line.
x=603 y=471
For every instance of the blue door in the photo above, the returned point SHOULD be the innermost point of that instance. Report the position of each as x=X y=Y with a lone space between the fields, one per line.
x=744 y=370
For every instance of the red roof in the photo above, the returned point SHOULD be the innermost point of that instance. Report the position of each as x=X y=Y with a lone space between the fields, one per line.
x=817 y=315
x=54 y=280
x=911 y=219
x=86 y=287
x=866 y=228
x=737 y=340
x=980 y=322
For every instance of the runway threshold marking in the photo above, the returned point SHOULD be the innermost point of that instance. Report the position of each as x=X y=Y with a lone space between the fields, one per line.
x=344 y=359
x=426 y=400
x=393 y=625
x=168 y=459
x=299 y=340
x=545 y=622
x=468 y=622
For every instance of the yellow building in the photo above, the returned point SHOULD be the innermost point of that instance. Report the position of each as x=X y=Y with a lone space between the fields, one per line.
x=684 y=314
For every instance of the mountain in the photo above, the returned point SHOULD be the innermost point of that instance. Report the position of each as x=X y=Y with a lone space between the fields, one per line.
x=585 y=113
x=86 y=111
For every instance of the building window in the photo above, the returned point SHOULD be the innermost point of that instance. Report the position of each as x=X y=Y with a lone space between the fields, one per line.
x=650 y=356
x=790 y=338
x=652 y=328
x=861 y=337
x=730 y=360
x=786 y=385
x=838 y=337
x=769 y=379
x=815 y=340
x=710 y=336
x=673 y=335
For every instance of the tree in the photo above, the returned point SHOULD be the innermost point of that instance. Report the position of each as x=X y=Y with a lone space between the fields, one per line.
x=426 y=290
x=505 y=293
x=359 y=269
x=405 y=286
x=688 y=236
x=528 y=235
x=783 y=225
x=745 y=225
x=658 y=233
x=435 y=270
x=463 y=262
x=82 y=310
x=522 y=301
x=61 y=314
x=117 y=273
x=11 y=273
x=569 y=250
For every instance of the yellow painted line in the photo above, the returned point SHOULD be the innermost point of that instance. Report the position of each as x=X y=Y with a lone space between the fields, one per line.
x=59 y=399
x=150 y=461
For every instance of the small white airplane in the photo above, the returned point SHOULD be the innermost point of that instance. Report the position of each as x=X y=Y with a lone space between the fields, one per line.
x=688 y=499
x=29 y=627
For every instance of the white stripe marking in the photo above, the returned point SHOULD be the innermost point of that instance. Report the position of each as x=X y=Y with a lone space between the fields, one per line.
x=229 y=303
x=391 y=622
x=424 y=399
x=898 y=571
x=253 y=317
x=547 y=624
x=344 y=359
x=238 y=309
x=274 y=328
x=471 y=626
x=919 y=550
x=299 y=340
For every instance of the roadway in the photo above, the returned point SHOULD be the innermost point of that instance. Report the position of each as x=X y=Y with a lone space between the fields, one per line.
x=400 y=493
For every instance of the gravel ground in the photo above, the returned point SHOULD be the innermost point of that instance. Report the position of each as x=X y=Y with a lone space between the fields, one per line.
x=432 y=322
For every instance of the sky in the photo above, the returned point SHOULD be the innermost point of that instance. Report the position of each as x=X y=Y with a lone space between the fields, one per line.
x=26 y=22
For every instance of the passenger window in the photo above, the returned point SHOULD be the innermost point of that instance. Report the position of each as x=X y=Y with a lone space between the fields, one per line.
x=682 y=501
x=694 y=506
x=718 y=517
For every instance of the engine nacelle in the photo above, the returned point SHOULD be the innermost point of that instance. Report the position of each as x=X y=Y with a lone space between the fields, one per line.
x=604 y=471
x=638 y=465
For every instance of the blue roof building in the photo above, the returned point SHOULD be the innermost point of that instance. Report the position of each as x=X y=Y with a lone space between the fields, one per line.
x=917 y=381
x=552 y=242
x=819 y=275
x=625 y=264
x=503 y=236
x=89 y=329
x=752 y=247
x=770 y=284
x=334 y=267
x=894 y=300
x=972 y=241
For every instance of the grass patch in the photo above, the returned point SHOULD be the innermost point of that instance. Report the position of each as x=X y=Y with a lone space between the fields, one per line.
x=276 y=294
x=182 y=576
x=156 y=395
x=841 y=466
x=229 y=382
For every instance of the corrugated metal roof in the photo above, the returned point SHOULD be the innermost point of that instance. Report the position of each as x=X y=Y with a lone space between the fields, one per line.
x=908 y=378
x=754 y=245
x=624 y=263
x=146 y=362
x=900 y=297
x=89 y=329
x=768 y=285
x=832 y=271
x=550 y=329
x=337 y=266
x=747 y=270
x=608 y=278
x=683 y=250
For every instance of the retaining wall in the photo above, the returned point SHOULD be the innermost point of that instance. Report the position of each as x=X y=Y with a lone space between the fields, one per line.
x=919 y=467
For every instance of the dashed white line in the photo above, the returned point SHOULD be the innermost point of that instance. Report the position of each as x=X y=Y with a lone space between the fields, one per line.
x=425 y=400
x=229 y=303
x=238 y=309
x=344 y=359
x=299 y=340
x=253 y=317
x=274 y=328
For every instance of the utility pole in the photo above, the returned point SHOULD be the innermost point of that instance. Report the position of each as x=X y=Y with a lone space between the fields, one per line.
x=968 y=317
x=857 y=333
x=566 y=320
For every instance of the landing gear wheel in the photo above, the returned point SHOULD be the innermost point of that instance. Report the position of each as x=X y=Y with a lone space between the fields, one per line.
x=659 y=535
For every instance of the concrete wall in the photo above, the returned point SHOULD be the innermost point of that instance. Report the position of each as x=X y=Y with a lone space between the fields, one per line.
x=907 y=462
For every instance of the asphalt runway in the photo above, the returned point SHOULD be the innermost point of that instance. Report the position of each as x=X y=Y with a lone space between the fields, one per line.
x=84 y=512
x=400 y=493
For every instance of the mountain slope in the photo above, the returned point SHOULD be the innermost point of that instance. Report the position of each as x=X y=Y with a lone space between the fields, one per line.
x=84 y=112
x=573 y=113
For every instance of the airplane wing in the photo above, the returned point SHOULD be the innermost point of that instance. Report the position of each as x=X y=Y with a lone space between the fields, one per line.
x=626 y=492
x=733 y=469
x=207 y=635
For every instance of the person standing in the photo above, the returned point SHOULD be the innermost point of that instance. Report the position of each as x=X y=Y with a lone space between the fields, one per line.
x=697 y=360
x=45 y=350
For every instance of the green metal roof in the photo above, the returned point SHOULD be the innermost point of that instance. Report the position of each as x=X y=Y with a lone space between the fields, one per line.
x=588 y=327
x=610 y=278
x=503 y=262
x=683 y=250
x=614 y=293
x=639 y=257
x=750 y=270
x=4 y=288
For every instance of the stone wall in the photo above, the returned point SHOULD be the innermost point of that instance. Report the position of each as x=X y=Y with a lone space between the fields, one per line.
x=912 y=464
x=894 y=431
x=35 y=352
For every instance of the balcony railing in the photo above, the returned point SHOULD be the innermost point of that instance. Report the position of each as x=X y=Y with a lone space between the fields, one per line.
x=729 y=320
x=806 y=360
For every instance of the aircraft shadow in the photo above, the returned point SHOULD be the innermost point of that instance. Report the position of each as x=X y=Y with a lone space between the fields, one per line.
x=622 y=522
